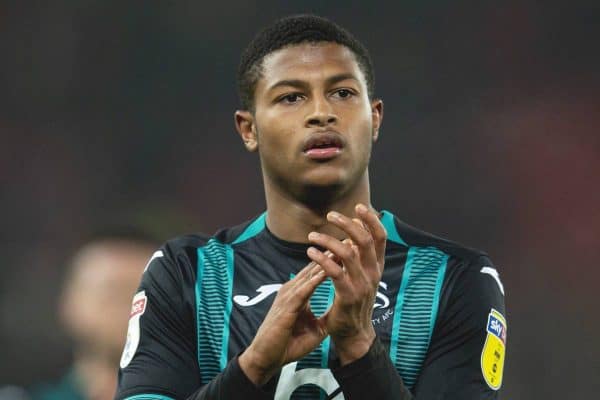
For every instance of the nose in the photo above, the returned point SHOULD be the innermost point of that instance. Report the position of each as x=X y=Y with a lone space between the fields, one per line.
x=322 y=114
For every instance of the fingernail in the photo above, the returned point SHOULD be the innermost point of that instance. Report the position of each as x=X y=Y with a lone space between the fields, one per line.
x=312 y=251
x=333 y=215
x=313 y=236
x=361 y=208
x=318 y=275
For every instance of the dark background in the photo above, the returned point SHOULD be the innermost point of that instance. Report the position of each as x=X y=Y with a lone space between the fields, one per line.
x=122 y=112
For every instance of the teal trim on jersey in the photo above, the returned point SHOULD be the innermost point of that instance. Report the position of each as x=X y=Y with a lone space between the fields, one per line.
x=253 y=229
x=416 y=310
x=320 y=301
x=149 y=396
x=198 y=290
x=327 y=341
x=214 y=285
x=437 y=293
x=228 y=307
x=387 y=220
x=400 y=303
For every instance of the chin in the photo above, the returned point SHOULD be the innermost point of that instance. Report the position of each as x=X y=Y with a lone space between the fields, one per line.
x=322 y=191
x=325 y=183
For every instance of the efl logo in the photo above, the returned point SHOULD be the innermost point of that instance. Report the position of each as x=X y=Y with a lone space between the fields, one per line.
x=497 y=328
x=138 y=307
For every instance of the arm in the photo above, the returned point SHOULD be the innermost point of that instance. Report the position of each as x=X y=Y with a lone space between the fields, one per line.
x=371 y=376
x=159 y=356
x=466 y=354
x=466 y=342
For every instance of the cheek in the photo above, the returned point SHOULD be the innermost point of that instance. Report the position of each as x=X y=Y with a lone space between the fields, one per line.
x=362 y=131
x=275 y=135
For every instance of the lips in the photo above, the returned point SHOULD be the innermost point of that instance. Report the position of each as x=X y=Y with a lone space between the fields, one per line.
x=323 y=140
x=323 y=145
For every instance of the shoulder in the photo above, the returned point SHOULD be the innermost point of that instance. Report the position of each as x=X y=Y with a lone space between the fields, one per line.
x=181 y=252
x=467 y=269
x=407 y=235
x=240 y=233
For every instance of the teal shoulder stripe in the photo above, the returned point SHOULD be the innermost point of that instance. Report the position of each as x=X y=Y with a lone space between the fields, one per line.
x=149 y=396
x=228 y=307
x=437 y=293
x=253 y=229
x=387 y=219
x=416 y=310
x=399 y=303
x=198 y=290
x=214 y=284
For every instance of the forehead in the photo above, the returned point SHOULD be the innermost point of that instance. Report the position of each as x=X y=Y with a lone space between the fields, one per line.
x=308 y=61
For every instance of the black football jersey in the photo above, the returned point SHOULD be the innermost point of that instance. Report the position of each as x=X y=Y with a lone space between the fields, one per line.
x=439 y=317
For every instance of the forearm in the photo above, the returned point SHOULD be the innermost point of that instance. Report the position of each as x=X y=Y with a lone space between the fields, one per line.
x=233 y=384
x=372 y=376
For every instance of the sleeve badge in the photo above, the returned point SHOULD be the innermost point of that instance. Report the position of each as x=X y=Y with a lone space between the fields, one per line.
x=494 y=348
x=138 y=307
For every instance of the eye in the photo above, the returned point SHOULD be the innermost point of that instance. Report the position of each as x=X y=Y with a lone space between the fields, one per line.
x=290 y=98
x=343 y=93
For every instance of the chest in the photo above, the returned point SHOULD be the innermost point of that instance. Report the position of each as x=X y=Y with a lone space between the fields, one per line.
x=235 y=290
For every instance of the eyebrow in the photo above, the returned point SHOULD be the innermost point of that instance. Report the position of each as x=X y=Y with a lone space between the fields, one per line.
x=304 y=84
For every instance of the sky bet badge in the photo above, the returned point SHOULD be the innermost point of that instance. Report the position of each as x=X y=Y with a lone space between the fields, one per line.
x=492 y=356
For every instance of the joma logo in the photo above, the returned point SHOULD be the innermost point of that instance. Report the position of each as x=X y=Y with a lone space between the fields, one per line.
x=265 y=291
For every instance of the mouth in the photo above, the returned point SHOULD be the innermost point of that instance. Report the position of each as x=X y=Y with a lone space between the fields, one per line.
x=323 y=145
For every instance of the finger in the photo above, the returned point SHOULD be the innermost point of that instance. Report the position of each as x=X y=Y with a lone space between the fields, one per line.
x=304 y=272
x=359 y=235
x=329 y=266
x=305 y=289
x=296 y=296
x=356 y=231
x=344 y=251
x=359 y=223
x=354 y=247
x=293 y=292
x=372 y=222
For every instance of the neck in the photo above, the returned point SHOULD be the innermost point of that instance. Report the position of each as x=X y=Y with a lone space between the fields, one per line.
x=292 y=217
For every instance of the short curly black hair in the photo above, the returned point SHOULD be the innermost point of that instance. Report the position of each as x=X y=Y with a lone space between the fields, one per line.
x=290 y=31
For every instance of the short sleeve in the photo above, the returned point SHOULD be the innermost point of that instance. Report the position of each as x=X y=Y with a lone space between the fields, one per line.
x=466 y=354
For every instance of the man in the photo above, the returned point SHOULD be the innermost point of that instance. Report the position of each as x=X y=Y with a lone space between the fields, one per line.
x=94 y=309
x=321 y=296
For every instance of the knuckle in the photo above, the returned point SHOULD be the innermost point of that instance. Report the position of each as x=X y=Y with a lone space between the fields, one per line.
x=383 y=233
x=364 y=239
x=336 y=273
x=380 y=234
x=348 y=253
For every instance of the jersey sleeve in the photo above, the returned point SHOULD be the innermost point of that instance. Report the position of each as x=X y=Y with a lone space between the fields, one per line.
x=371 y=377
x=466 y=354
x=158 y=358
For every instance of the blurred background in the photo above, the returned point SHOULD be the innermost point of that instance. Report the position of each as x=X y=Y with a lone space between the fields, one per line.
x=121 y=113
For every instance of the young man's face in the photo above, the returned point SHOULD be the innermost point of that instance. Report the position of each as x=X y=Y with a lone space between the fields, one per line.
x=314 y=123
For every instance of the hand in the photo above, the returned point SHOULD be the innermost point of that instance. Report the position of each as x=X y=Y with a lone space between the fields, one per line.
x=289 y=331
x=355 y=271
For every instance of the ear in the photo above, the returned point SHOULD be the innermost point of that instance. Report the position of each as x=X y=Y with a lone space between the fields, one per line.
x=377 y=117
x=246 y=127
